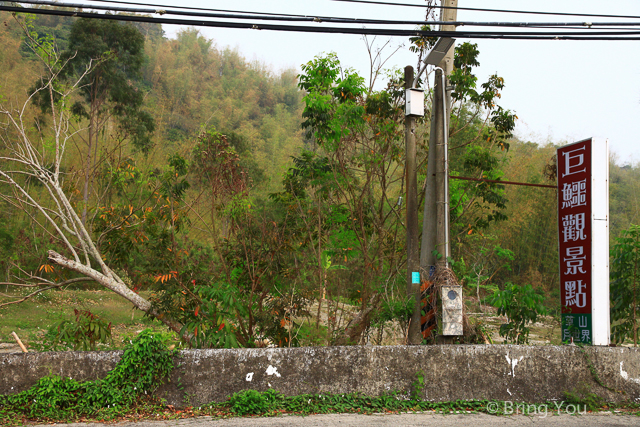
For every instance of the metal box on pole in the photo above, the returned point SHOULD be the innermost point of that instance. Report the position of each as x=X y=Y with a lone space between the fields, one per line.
x=414 y=102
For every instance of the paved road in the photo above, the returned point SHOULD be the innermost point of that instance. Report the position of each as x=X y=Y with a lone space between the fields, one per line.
x=347 y=420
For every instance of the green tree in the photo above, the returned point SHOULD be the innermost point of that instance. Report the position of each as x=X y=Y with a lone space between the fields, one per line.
x=479 y=136
x=320 y=224
x=531 y=230
x=109 y=90
x=625 y=278
x=358 y=139
x=141 y=233
x=522 y=306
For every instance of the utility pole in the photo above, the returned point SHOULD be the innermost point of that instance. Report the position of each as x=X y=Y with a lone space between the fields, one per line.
x=435 y=233
x=414 y=336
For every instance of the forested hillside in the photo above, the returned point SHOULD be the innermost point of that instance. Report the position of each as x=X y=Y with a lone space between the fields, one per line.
x=243 y=206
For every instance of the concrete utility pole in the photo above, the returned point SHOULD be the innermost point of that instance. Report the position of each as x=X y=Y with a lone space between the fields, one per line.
x=435 y=233
x=413 y=289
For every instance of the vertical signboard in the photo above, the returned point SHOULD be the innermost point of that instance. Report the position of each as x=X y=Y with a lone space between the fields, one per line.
x=583 y=226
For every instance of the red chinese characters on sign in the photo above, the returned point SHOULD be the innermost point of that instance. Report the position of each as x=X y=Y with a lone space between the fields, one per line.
x=574 y=223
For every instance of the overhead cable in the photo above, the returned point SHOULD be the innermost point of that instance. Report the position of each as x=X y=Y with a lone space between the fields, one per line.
x=169 y=10
x=478 y=9
x=594 y=35
x=319 y=19
x=165 y=6
x=373 y=2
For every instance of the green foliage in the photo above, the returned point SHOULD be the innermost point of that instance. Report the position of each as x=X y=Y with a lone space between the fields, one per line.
x=531 y=230
x=583 y=397
x=270 y=402
x=39 y=44
x=331 y=108
x=251 y=402
x=625 y=280
x=343 y=196
x=522 y=306
x=118 y=49
x=394 y=310
x=213 y=325
x=138 y=233
x=624 y=184
x=85 y=332
x=483 y=262
x=264 y=298
x=417 y=386
x=189 y=221
x=144 y=366
x=199 y=84
x=422 y=43
x=474 y=145
x=217 y=165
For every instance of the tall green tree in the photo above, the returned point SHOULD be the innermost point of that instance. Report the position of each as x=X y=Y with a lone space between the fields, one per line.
x=625 y=280
x=479 y=136
x=358 y=140
x=110 y=89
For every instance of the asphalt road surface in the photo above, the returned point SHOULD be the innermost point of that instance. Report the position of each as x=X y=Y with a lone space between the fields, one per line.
x=345 y=420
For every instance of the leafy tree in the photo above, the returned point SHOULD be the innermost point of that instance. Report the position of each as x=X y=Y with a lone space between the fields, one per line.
x=358 y=137
x=481 y=267
x=522 y=306
x=624 y=187
x=359 y=132
x=625 y=279
x=109 y=89
x=138 y=235
x=196 y=84
x=478 y=129
x=307 y=197
x=141 y=235
x=86 y=332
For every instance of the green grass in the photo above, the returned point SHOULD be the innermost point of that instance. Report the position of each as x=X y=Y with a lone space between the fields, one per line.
x=309 y=335
x=32 y=318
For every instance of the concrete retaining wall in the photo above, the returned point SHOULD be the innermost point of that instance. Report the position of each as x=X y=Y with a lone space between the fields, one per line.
x=504 y=372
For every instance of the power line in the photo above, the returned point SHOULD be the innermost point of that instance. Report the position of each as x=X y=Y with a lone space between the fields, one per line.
x=477 y=9
x=495 y=181
x=327 y=18
x=227 y=14
x=603 y=35
x=309 y=18
x=548 y=25
x=193 y=8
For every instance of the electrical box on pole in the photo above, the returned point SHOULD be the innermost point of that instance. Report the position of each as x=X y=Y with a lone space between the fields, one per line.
x=414 y=102
x=452 y=320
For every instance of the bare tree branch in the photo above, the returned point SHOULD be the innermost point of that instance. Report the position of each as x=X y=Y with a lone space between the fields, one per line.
x=30 y=285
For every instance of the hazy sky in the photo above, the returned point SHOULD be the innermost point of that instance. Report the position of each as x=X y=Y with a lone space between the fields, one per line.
x=560 y=90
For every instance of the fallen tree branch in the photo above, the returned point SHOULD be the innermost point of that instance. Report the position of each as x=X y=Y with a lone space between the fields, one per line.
x=33 y=285
x=57 y=285
x=115 y=284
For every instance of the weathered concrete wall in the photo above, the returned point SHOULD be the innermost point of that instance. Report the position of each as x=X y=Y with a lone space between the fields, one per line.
x=505 y=372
